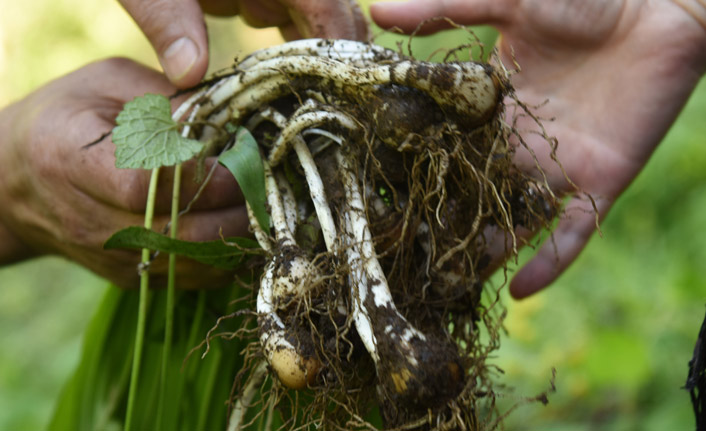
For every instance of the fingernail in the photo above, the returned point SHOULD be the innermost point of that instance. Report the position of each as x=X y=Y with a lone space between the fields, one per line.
x=179 y=57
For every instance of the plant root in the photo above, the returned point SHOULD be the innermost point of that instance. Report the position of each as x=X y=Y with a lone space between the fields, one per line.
x=382 y=175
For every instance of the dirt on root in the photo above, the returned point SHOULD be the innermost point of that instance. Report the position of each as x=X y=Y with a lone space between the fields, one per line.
x=434 y=187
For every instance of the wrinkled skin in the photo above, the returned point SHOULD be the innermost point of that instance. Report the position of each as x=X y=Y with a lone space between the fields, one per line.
x=61 y=198
x=616 y=75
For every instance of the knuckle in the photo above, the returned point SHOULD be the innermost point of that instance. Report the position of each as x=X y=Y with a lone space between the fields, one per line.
x=109 y=65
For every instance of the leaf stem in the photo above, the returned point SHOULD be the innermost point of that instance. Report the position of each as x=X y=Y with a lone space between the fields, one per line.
x=142 y=308
x=169 y=313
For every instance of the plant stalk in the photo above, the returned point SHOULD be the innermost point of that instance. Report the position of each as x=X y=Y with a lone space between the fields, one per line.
x=142 y=309
x=171 y=281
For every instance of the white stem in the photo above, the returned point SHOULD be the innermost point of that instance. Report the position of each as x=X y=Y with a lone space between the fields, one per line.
x=256 y=378
x=338 y=71
x=305 y=118
x=292 y=369
x=265 y=75
x=275 y=336
x=284 y=236
x=291 y=213
x=262 y=238
x=313 y=179
x=367 y=276
x=187 y=104
x=352 y=51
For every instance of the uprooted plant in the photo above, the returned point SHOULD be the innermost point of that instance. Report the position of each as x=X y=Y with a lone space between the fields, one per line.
x=375 y=179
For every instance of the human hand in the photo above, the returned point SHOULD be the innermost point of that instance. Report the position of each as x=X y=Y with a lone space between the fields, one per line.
x=177 y=31
x=60 y=197
x=616 y=74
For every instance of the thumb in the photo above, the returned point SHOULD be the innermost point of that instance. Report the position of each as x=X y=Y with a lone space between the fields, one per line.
x=410 y=14
x=177 y=31
x=556 y=254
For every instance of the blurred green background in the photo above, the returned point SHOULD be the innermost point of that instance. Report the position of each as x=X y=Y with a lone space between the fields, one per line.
x=619 y=326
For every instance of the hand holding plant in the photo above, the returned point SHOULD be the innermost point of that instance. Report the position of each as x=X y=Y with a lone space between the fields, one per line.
x=62 y=196
x=178 y=34
x=615 y=74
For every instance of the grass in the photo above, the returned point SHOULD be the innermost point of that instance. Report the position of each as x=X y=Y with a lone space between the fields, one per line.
x=43 y=312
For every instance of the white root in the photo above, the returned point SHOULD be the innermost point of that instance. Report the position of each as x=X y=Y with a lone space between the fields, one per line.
x=258 y=95
x=326 y=70
x=367 y=276
x=289 y=201
x=187 y=105
x=467 y=88
x=288 y=274
x=309 y=115
x=322 y=67
x=317 y=192
x=348 y=50
x=313 y=179
x=293 y=370
x=409 y=365
x=235 y=423
x=283 y=235
x=260 y=235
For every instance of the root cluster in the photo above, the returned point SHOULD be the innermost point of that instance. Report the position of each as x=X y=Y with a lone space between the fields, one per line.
x=386 y=178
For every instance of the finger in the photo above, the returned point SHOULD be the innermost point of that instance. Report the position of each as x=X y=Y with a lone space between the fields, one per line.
x=220 y=7
x=409 y=15
x=122 y=268
x=210 y=186
x=207 y=187
x=126 y=189
x=176 y=30
x=212 y=225
x=556 y=254
x=264 y=13
x=290 y=31
x=362 y=26
x=114 y=81
x=339 y=19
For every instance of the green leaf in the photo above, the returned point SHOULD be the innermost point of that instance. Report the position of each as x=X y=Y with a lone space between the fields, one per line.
x=224 y=255
x=146 y=136
x=95 y=397
x=244 y=162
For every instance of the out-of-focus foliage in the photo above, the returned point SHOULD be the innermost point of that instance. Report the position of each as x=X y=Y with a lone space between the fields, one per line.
x=619 y=326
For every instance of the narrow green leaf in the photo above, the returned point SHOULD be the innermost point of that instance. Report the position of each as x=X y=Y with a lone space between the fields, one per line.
x=146 y=136
x=224 y=255
x=244 y=162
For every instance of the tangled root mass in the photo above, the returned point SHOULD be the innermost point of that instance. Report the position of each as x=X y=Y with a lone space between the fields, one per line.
x=384 y=175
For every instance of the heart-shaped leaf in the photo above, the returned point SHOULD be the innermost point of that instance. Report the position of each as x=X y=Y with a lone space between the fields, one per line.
x=147 y=137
